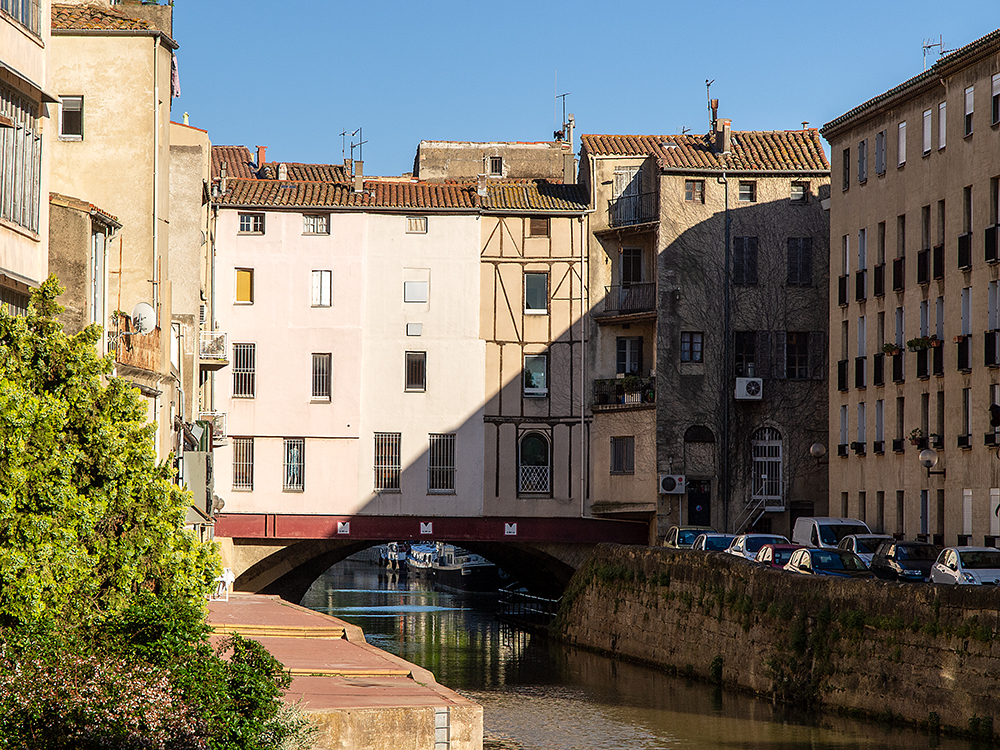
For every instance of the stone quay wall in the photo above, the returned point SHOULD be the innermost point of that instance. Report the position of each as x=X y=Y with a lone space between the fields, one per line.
x=911 y=652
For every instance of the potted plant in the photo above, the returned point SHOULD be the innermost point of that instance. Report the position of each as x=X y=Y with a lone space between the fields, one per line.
x=919 y=344
x=916 y=436
x=935 y=341
x=632 y=384
x=889 y=348
x=959 y=338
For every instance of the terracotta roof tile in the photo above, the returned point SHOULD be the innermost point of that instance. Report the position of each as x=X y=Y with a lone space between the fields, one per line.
x=535 y=195
x=376 y=194
x=239 y=162
x=93 y=17
x=752 y=150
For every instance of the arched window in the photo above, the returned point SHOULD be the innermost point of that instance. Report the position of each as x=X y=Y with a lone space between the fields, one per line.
x=533 y=463
x=767 y=479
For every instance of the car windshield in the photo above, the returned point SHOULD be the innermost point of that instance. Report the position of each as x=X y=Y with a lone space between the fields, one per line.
x=916 y=552
x=834 y=560
x=687 y=536
x=781 y=556
x=717 y=542
x=867 y=546
x=980 y=560
x=754 y=543
x=834 y=532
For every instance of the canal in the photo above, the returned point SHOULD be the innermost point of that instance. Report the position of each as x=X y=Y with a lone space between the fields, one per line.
x=538 y=694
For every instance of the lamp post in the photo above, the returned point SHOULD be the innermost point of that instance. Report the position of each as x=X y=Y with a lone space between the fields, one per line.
x=928 y=459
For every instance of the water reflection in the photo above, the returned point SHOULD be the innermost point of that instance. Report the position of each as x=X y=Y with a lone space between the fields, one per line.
x=541 y=695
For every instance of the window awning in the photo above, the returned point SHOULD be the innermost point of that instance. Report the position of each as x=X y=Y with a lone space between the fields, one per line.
x=7 y=72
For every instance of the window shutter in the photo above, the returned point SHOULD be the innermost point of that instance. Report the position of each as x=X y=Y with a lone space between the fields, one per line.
x=779 y=339
x=763 y=353
x=739 y=266
x=805 y=261
x=793 y=261
x=817 y=355
x=751 y=260
x=638 y=355
x=622 y=354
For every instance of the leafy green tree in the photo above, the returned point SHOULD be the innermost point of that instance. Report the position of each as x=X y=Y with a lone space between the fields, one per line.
x=87 y=517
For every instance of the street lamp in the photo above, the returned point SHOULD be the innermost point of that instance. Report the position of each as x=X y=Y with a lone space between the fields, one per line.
x=817 y=451
x=928 y=459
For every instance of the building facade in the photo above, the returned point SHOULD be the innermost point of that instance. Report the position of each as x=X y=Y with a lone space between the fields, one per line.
x=708 y=341
x=914 y=303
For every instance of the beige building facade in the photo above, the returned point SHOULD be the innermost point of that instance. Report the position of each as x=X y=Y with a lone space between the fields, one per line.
x=914 y=303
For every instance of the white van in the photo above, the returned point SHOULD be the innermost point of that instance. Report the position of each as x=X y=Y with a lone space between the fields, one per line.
x=824 y=531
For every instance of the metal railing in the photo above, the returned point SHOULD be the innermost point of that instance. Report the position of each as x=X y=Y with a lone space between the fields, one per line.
x=218 y=422
x=213 y=345
x=522 y=607
x=533 y=479
x=630 y=298
x=632 y=390
x=627 y=210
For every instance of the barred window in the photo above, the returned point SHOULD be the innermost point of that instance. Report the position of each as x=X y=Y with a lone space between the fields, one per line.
x=243 y=463
x=416 y=225
x=623 y=455
x=20 y=158
x=321 y=367
x=244 y=370
x=416 y=371
x=766 y=481
x=387 y=461
x=295 y=465
x=441 y=463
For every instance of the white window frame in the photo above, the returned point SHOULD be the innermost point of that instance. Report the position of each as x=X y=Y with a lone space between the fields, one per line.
x=70 y=104
x=315 y=224
x=386 y=462
x=942 y=125
x=242 y=464
x=441 y=464
x=244 y=370
x=926 y=131
x=901 y=145
x=415 y=372
x=416 y=292
x=747 y=191
x=539 y=370
x=251 y=222
x=995 y=99
x=766 y=452
x=970 y=101
x=416 y=225
x=528 y=308
x=294 y=465
x=321 y=288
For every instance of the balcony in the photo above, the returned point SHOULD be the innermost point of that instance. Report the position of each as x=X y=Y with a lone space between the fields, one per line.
x=964 y=352
x=842 y=366
x=898 y=274
x=629 y=210
x=861 y=285
x=937 y=359
x=923 y=364
x=842 y=290
x=136 y=350
x=924 y=267
x=631 y=299
x=965 y=251
x=878 y=369
x=897 y=368
x=991 y=348
x=938 y=262
x=213 y=349
x=878 y=280
x=217 y=423
x=992 y=256
x=860 y=372
x=630 y=391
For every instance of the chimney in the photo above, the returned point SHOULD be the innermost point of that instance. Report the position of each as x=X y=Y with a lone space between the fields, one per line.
x=722 y=140
x=359 y=176
x=223 y=171
x=481 y=186
x=261 y=151
x=714 y=106
x=282 y=171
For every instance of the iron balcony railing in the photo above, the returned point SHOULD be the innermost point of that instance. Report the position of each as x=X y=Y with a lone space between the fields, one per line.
x=631 y=390
x=213 y=345
x=627 y=210
x=218 y=423
x=630 y=298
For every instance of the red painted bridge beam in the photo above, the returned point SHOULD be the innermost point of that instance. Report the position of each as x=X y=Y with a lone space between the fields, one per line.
x=430 y=528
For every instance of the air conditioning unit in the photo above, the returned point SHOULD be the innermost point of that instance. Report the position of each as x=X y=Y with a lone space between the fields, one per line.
x=749 y=389
x=672 y=484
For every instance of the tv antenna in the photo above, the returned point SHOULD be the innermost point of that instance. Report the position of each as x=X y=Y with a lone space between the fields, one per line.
x=358 y=145
x=930 y=44
x=708 y=94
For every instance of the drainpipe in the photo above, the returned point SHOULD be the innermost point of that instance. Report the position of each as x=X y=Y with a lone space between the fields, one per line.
x=724 y=458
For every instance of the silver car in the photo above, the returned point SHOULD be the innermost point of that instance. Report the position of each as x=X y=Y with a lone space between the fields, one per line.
x=748 y=545
x=967 y=566
x=863 y=545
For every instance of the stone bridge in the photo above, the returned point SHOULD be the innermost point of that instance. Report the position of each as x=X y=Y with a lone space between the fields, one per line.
x=285 y=553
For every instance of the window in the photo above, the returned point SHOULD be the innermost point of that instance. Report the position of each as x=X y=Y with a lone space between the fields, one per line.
x=387 y=461
x=538 y=227
x=845 y=168
x=496 y=165
x=942 y=124
x=631 y=266
x=748 y=192
x=243 y=463
x=441 y=464
x=691 y=346
x=766 y=451
x=536 y=293
x=901 y=145
x=20 y=159
x=797 y=355
x=623 y=455
x=535 y=370
x=744 y=353
x=969 y=100
x=322 y=288
x=244 y=286
x=800 y=192
x=71 y=118
x=25 y=12
x=744 y=261
x=416 y=371
x=321 y=368
x=863 y=161
x=629 y=354
x=244 y=370
x=416 y=225
x=800 y=261
x=694 y=191
x=927 y=131
x=315 y=224
x=295 y=465
x=415 y=291
x=995 y=100
x=533 y=464
x=251 y=223
x=880 y=152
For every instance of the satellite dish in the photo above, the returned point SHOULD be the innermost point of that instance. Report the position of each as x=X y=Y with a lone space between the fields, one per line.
x=143 y=318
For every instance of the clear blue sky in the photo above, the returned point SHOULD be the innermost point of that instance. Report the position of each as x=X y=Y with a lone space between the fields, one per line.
x=292 y=76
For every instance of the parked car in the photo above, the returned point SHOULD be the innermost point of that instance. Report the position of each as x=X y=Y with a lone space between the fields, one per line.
x=967 y=566
x=827 y=562
x=748 y=545
x=863 y=545
x=776 y=555
x=712 y=542
x=904 y=561
x=682 y=537
x=825 y=531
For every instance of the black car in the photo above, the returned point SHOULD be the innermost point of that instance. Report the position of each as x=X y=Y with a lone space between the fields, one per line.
x=904 y=561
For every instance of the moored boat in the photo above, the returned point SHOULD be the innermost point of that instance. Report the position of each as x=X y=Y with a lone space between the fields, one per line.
x=457 y=568
x=420 y=559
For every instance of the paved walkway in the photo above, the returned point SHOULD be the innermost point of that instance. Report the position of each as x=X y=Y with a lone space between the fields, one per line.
x=332 y=666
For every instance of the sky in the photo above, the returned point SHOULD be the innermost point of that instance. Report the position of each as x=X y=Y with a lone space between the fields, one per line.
x=293 y=76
